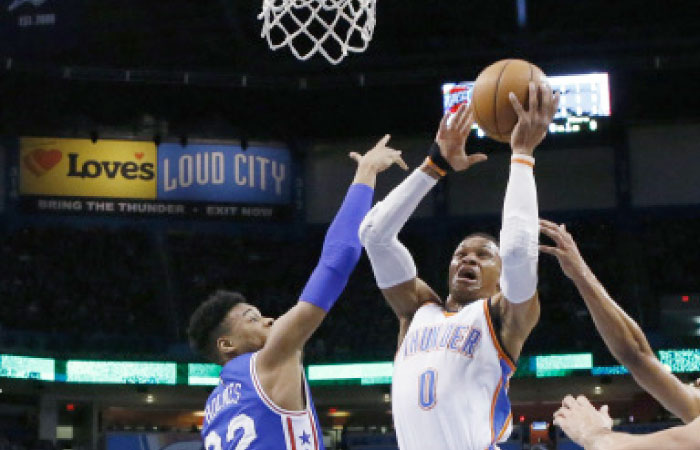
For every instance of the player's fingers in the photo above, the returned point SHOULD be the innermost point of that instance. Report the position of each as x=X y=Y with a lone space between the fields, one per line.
x=516 y=104
x=399 y=160
x=554 y=235
x=568 y=401
x=533 y=100
x=583 y=401
x=555 y=103
x=476 y=158
x=546 y=98
x=355 y=156
x=545 y=222
x=550 y=250
x=561 y=412
x=605 y=410
x=382 y=142
x=461 y=119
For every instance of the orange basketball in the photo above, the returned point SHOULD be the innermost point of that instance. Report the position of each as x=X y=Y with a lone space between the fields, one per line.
x=492 y=108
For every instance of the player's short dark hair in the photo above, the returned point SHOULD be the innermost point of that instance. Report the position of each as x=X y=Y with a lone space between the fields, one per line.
x=206 y=322
x=481 y=234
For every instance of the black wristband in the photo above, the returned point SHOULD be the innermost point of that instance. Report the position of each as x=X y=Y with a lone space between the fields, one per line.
x=437 y=159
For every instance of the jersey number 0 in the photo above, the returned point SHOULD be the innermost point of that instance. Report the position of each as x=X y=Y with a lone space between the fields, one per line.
x=427 y=397
x=241 y=421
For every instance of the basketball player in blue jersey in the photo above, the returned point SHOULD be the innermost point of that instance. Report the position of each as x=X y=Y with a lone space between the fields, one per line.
x=590 y=427
x=262 y=401
x=455 y=358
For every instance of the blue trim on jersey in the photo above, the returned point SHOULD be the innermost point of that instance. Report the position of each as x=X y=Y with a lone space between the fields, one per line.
x=502 y=409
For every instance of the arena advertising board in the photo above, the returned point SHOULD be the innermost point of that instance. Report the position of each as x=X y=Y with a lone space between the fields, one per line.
x=116 y=177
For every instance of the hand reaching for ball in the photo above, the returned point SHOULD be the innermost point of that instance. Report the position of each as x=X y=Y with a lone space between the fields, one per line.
x=452 y=136
x=533 y=123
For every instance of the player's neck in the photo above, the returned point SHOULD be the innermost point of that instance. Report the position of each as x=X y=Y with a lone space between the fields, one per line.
x=455 y=304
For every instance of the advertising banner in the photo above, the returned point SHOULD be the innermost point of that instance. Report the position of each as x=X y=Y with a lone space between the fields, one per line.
x=113 y=177
x=225 y=174
x=81 y=168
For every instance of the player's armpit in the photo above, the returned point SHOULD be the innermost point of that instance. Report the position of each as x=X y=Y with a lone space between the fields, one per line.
x=518 y=320
x=672 y=393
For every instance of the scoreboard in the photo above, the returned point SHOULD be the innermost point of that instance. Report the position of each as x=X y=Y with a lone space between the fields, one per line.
x=584 y=99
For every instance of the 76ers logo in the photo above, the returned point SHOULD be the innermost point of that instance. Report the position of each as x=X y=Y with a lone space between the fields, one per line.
x=456 y=96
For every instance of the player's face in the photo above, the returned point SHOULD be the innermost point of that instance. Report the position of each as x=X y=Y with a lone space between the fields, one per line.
x=475 y=269
x=249 y=329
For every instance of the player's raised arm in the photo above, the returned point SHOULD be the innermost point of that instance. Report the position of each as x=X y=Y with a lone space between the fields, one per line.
x=519 y=228
x=591 y=428
x=621 y=334
x=341 y=251
x=393 y=265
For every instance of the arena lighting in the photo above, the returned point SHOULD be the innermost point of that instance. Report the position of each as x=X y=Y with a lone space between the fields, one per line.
x=554 y=365
x=151 y=372
x=522 y=419
x=118 y=372
x=70 y=407
x=203 y=374
x=681 y=361
x=685 y=298
x=27 y=367
x=609 y=370
x=366 y=373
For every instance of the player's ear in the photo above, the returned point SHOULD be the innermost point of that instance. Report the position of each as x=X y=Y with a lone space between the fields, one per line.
x=226 y=345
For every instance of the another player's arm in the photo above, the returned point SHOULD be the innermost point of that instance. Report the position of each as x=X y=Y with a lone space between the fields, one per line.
x=623 y=337
x=341 y=251
x=591 y=428
x=393 y=265
x=519 y=230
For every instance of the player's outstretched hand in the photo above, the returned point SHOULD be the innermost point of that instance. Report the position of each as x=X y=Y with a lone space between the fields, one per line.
x=581 y=422
x=533 y=124
x=452 y=139
x=380 y=157
x=566 y=250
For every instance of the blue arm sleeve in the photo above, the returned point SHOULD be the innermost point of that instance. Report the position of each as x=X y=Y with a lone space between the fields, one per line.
x=341 y=250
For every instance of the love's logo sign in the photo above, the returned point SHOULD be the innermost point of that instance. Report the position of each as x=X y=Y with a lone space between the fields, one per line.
x=40 y=160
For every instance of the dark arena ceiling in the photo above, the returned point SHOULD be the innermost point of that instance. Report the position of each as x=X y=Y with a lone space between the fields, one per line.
x=111 y=61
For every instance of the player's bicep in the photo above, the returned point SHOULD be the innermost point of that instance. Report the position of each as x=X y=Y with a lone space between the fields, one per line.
x=674 y=395
x=518 y=321
x=289 y=333
x=405 y=298
x=521 y=318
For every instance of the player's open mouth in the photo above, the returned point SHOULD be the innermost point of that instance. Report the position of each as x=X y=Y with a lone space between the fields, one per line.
x=468 y=275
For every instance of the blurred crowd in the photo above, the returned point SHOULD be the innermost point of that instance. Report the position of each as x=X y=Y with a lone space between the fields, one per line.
x=114 y=291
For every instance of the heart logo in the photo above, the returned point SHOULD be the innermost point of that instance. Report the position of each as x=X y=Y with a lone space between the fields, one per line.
x=138 y=155
x=41 y=161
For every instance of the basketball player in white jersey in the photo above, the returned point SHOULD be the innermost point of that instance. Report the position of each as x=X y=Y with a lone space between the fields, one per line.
x=590 y=427
x=455 y=358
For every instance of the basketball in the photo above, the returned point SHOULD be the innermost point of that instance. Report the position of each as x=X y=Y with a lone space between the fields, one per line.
x=492 y=109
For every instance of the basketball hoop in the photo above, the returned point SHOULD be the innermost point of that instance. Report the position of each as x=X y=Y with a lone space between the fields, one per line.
x=332 y=28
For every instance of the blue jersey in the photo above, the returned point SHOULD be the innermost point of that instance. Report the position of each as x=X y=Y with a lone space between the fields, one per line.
x=240 y=416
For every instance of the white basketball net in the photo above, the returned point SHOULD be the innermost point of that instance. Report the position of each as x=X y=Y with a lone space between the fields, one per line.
x=332 y=28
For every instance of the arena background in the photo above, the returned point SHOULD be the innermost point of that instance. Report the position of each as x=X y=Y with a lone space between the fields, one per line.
x=109 y=271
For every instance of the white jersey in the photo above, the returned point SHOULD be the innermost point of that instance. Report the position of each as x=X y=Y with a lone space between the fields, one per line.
x=450 y=382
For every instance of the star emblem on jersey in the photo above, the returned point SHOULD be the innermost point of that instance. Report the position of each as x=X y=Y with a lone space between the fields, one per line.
x=305 y=438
